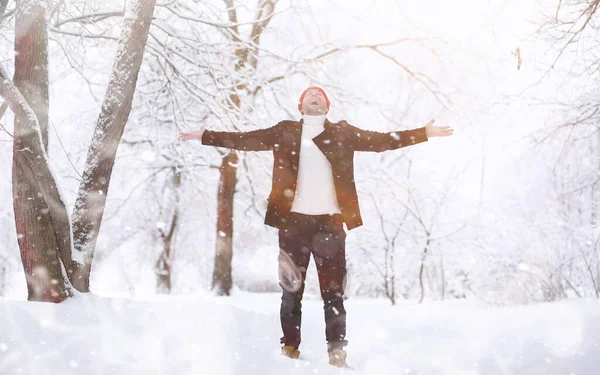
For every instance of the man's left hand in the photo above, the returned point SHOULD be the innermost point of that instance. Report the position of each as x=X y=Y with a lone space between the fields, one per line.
x=437 y=131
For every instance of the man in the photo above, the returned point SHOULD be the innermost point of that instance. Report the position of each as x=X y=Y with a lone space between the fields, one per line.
x=313 y=194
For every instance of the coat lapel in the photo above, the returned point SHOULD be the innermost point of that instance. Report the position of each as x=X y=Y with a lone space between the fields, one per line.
x=295 y=147
x=324 y=140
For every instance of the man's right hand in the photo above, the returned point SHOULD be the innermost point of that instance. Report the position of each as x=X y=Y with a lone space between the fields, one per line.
x=192 y=135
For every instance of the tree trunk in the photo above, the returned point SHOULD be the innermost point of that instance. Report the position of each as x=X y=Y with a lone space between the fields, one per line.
x=3 y=272
x=222 y=281
x=31 y=60
x=31 y=80
x=41 y=219
x=163 y=264
x=423 y=258
x=245 y=58
x=165 y=259
x=91 y=199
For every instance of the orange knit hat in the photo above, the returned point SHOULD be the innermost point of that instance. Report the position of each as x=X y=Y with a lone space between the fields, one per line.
x=304 y=94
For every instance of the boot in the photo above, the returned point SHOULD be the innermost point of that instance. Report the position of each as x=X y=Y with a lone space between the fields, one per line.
x=290 y=351
x=337 y=358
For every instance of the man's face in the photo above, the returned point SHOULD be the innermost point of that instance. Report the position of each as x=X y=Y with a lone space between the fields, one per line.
x=314 y=103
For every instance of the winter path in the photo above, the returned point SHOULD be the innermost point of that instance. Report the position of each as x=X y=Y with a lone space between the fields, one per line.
x=202 y=334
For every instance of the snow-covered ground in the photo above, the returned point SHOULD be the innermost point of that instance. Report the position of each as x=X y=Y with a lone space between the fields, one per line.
x=202 y=334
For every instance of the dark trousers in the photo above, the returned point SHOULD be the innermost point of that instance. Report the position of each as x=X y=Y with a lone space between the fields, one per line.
x=325 y=238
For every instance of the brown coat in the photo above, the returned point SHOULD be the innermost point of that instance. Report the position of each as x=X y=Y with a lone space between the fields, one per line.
x=338 y=142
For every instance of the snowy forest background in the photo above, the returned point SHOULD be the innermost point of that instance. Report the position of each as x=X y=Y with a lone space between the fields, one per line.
x=506 y=210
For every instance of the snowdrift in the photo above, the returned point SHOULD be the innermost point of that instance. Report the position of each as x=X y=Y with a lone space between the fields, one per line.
x=202 y=334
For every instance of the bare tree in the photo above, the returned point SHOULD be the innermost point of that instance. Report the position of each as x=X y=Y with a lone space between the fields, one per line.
x=165 y=259
x=43 y=204
x=222 y=281
x=246 y=59
x=42 y=223
x=572 y=27
x=91 y=200
x=425 y=226
x=390 y=238
x=41 y=218
x=31 y=60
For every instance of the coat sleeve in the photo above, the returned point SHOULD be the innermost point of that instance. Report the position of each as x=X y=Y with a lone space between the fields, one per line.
x=368 y=140
x=255 y=140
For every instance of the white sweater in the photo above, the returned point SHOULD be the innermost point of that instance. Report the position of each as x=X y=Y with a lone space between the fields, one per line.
x=315 y=192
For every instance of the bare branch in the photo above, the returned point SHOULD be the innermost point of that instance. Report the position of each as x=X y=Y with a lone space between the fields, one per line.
x=591 y=9
x=89 y=18
x=371 y=46
x=3 y=4
x=3 y=109
x=231 y=11
x=16 y=101
x=90 y=36
x=424 y=79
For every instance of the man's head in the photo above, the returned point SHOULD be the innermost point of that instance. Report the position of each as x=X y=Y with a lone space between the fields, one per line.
x=314 y=102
